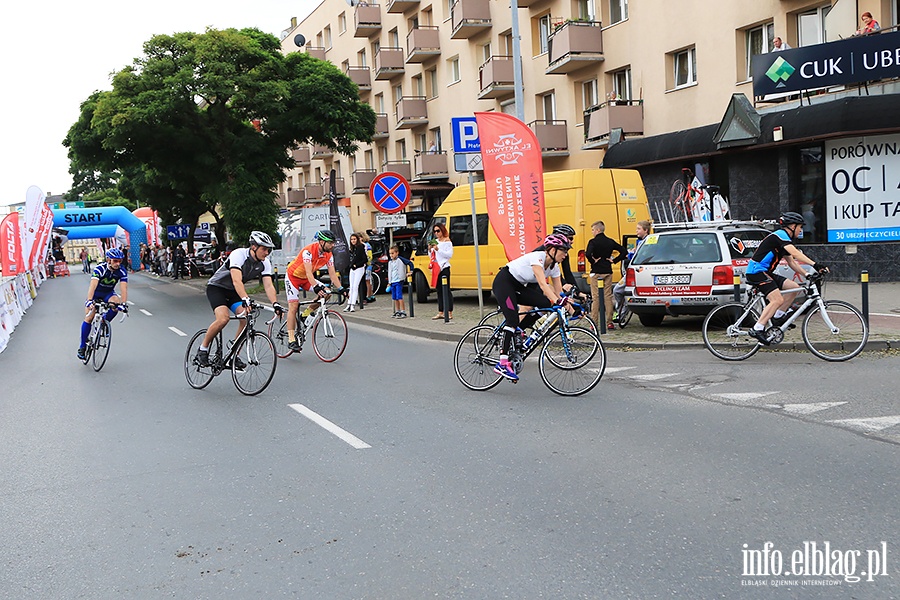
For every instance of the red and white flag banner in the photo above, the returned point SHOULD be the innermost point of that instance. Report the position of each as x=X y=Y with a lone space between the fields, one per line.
x=514 y=182
x=42 y=238
x=34 y=199
x=11 y=246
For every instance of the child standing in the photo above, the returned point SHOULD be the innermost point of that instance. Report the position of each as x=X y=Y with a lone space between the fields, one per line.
x=396 y=277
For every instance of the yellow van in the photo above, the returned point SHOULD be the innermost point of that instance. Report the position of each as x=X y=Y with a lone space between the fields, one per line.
x=577 y=197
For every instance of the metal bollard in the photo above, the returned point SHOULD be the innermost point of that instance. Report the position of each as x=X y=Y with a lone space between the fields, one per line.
x=601 y=312
x=737 y=288
x=412 y=293
x=445 y=290
x=864 y=281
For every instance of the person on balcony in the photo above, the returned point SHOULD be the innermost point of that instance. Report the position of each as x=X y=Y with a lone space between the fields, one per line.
x=778 y=45
x=870 y=25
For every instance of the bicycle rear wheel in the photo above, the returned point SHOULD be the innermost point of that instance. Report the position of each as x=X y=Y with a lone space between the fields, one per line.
x=572 y=362
x=475 y=356
x=844 y=342
x=279 y=335
x=726 y=332
x=199 y=377
x=329 y=336
x=625 y=315
x=494 y=319
x=258 y=353
x=100 y=345
x=678 y=202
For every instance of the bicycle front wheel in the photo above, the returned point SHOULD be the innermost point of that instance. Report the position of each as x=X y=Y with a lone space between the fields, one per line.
x=844 y=340
x=101 y=345
x=279 y=335
x=678 y=201
x=329 y=336
x=494 y=319
x=257 y=352
x=625 y=315
x=584 y=322
x=199 y=377
x=475 y=356
x=726 y=332
x=572 y=361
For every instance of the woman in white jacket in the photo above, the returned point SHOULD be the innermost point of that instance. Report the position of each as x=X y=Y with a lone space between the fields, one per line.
x=443 y=250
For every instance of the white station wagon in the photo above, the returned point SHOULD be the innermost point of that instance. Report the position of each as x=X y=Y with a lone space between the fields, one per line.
x=689 y=268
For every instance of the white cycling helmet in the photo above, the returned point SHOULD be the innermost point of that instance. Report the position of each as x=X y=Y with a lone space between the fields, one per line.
x=261 y=238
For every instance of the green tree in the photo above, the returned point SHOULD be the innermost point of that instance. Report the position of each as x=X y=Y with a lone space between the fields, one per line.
x=206 y=120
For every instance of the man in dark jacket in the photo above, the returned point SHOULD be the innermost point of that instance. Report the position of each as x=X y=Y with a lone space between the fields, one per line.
x=599 y=253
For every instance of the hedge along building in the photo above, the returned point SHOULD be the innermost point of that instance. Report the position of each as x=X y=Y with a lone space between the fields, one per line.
x=101 y=222
x=830 y=152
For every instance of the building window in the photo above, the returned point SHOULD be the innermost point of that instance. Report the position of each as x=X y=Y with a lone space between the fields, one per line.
x=759 y=41
x=379 y=103
x=328 y=37
x=589 y=97
x=342 y=22
x=394 y=38
x=431 y=83
x=418 y=88
x=369 y=160
x=398 y=93
x=544 y=27
x=584 y=10
x=435 y=138
x=618 y=10
x=454 y=69
x=401 y=149
x=485 y=53
x=548 y=106
x=811 y=26
x=621 y=84
x=684 y=67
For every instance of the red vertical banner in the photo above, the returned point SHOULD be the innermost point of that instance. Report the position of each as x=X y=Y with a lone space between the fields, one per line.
x=42 y=237
x=513 y=182
x=11 y=246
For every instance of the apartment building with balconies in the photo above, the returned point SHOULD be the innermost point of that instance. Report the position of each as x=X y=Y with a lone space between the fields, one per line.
x=631 y=83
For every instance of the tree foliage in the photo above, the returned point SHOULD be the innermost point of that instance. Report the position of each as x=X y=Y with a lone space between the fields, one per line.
x=202 y=121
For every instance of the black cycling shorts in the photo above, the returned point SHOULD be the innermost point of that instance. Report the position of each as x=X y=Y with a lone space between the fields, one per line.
x=219 y=296
x=766 y=282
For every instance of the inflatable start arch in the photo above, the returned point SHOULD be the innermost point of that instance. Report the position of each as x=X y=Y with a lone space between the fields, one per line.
x=101 y=222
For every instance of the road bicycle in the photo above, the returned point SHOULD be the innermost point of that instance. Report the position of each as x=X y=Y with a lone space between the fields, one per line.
x=689 y=202
x=832 y=330
x=99 y=339
x=251 y=357
x=327 y=328
x=571 y=360
x=582 y=319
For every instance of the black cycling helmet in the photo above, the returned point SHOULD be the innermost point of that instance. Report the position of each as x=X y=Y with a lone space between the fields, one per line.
x=791 y=218
x=566 y=230
x=325 y=235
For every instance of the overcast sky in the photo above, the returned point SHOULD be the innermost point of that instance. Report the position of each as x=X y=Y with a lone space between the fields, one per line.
x=53 y=56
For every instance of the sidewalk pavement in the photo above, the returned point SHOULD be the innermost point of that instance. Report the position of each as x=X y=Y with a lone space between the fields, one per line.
x=674 y=333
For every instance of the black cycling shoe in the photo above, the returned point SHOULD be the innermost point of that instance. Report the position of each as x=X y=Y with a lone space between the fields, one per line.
x=80 y=353
x=779 y=321
x=239 y=365
x=294 y=346
x=760 y=336
x=203 y=358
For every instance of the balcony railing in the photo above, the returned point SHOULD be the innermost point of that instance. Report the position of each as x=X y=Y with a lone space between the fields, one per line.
x=338 y=187
x=600 y=120
x=431 y=165
x=301 y=156
x=411 y=112
x=469 y=17
x=362 y=180
x=552 y=137
x=401 y=6
x=422 y=43
x=367 y=20
x=320 y=152
x=361 y=76
x=382 y=128
x=314 y=192
x=295 y=198
x=389 y=63
x=496 y=78
x=574 y=45
x=316 y=52
x=400 y=167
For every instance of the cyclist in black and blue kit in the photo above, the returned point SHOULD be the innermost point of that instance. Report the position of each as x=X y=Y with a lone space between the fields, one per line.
x=761 y=272
x=103 y=287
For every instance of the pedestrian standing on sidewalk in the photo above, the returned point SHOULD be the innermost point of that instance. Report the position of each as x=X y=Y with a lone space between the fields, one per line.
x=599 y=253
x=396 y=277
x=443 y=250
x=358 y=264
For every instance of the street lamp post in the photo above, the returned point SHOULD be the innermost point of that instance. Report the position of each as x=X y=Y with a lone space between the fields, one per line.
x=517 y=62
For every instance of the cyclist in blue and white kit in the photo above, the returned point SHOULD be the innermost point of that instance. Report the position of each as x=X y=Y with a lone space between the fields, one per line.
x=761 y=272
x=103 y=287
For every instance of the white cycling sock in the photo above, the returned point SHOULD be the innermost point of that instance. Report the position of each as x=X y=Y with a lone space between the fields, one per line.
x=779 y=313
x=758 y=327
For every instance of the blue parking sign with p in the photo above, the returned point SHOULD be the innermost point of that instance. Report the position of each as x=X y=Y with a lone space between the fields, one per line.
x=465 y=134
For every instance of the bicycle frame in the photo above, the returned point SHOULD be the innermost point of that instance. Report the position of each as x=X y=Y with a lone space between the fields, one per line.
x=221 y=363
x=813 y=296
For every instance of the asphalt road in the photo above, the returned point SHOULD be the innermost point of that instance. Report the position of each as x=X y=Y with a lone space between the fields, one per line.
x=127 y=483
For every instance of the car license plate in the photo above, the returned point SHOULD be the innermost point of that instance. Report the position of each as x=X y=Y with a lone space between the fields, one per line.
x=671 y=279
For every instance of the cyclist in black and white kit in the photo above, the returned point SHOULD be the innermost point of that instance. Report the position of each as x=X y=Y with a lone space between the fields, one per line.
x=511 y=289
x=225 y=289
x=761 y=272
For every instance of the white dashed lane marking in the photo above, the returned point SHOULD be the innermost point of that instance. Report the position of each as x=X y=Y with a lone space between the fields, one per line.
x=178 y=331
x=330 y=427
x=806 y=409
x=147 y=312
x=744 y=396
x=870 y=425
